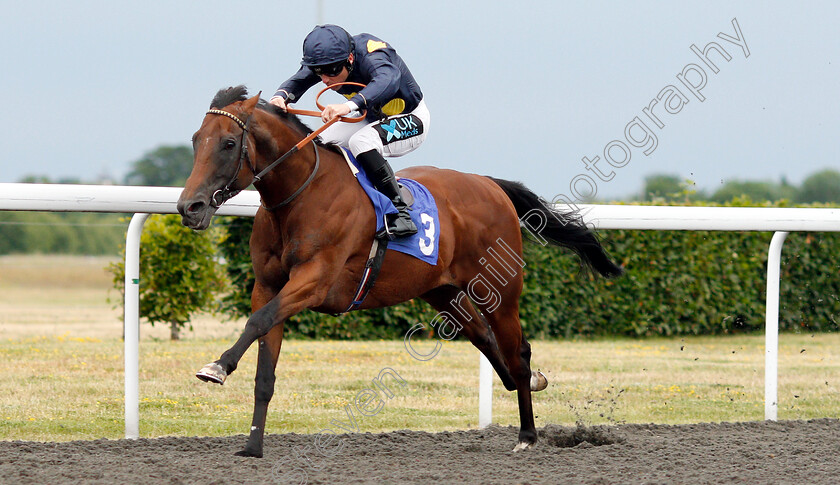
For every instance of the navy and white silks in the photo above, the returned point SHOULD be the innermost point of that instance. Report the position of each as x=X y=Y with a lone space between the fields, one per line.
x=397 y=119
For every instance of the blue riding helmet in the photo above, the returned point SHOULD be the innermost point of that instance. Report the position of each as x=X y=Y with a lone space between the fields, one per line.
x=326 y=44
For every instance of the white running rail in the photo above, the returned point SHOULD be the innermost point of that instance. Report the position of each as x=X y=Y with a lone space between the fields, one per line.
x=161 y=200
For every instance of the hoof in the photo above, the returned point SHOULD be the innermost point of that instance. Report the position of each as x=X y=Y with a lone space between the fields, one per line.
x=538 y=382
x=249 y=453
x=212 y=373
x=522 y=446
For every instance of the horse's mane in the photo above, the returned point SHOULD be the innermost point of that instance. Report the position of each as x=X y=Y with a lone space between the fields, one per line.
x=227 y=96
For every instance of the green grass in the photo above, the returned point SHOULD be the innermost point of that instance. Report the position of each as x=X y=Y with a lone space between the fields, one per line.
x=60 y=388
x=64 y=377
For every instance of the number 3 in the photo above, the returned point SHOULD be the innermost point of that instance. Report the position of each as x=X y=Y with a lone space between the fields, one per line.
x=427 y=245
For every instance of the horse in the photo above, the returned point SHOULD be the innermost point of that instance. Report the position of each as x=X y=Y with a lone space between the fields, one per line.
x=312 y=236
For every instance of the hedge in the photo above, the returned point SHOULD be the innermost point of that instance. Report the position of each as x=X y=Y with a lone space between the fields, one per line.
x=677 y=283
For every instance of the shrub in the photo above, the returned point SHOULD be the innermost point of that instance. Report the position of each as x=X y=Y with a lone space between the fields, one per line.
x=234 y=249
x=179 y=274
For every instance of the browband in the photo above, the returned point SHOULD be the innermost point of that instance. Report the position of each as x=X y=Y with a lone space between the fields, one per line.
x=229 y=115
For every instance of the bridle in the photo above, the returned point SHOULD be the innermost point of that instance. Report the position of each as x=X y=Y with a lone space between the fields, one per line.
x=220 y=196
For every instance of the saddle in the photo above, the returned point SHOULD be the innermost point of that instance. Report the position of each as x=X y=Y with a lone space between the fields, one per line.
x=423 y=245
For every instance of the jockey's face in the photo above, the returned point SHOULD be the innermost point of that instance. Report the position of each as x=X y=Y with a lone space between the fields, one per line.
x=338 y=78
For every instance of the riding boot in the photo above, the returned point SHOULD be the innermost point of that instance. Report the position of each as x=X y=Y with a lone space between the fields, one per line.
x=382 y=177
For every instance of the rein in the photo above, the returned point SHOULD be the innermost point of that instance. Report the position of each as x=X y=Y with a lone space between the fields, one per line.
x=226 y=193
x=300 y=189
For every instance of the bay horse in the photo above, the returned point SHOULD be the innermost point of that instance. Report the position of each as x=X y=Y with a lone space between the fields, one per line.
x=312 y=237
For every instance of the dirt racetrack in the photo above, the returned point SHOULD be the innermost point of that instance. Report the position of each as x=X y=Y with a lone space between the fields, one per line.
x=754 y=452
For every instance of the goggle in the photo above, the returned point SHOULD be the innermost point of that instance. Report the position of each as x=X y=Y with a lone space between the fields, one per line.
x=329 y=70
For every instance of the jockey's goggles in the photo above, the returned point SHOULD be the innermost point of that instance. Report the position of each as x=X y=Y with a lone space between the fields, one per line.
x=329 y=70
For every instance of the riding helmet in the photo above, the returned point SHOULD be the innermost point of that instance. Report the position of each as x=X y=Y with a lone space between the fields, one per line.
x=326 y=44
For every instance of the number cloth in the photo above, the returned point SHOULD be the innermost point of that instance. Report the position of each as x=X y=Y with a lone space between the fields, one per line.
x=424 y=213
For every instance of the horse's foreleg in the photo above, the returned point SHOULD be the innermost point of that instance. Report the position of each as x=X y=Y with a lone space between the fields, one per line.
x=306 y=288
x=269 y=352
x=266 y=324
x=259 y=324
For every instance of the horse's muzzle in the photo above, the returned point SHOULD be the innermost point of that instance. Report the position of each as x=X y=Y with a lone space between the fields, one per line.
x=195 y=213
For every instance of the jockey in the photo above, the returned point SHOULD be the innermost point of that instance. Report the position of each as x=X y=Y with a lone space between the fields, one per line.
x=397 y=118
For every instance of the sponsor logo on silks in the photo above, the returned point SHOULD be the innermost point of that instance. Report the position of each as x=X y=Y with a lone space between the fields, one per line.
x=400 y=128
x=373 y=45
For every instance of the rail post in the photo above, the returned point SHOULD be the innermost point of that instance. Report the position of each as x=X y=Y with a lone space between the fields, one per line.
x=132 y=325
x=485 y=392
x=771 y=331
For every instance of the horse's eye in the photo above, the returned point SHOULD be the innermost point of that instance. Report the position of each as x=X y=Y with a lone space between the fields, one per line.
x=229 y=144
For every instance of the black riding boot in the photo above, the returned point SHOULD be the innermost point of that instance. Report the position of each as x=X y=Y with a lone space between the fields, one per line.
x=382 y=177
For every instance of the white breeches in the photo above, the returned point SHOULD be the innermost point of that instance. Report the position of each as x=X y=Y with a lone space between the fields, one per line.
x=393 y=137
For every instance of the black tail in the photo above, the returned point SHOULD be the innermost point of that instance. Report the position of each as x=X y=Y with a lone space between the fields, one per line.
x=558 y=228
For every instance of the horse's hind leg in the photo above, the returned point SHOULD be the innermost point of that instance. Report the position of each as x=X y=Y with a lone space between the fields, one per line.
x=516 y=350
x=474 y=326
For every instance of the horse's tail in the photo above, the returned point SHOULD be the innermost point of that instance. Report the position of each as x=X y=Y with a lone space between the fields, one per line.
x=560 y=229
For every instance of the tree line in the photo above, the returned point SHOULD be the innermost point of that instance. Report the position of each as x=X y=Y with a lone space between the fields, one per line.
x=212 y=270
x=89 y=233
x=822 y=187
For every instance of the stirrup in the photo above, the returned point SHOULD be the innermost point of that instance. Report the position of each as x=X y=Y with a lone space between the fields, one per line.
x=392 y=230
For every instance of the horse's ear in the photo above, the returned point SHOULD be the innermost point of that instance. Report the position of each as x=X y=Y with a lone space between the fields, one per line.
x=249 y=104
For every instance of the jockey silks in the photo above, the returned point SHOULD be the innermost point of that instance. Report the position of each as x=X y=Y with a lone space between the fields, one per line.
x=391 y=88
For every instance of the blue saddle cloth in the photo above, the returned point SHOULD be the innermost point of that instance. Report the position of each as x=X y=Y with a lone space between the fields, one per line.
x=424 y=213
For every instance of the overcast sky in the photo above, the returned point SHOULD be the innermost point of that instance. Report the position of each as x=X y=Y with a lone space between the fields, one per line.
x=517 y=90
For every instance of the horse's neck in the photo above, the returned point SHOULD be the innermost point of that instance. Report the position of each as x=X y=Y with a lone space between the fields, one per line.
x=332 y=178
